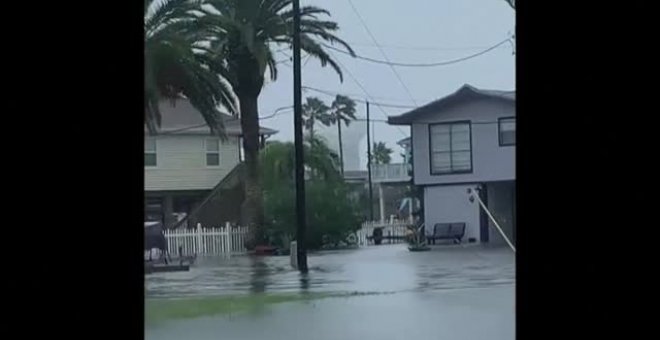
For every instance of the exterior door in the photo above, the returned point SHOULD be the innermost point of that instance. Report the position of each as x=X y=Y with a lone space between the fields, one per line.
x=513 y=234
x=483 y=217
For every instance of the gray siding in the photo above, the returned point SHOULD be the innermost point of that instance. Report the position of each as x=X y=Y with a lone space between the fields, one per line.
x=450 y=204
x=181 y=163
x=490 y=162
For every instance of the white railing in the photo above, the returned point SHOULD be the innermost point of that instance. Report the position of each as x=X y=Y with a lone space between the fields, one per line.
x=390 y=172
x=225 y=240
x=393 y=227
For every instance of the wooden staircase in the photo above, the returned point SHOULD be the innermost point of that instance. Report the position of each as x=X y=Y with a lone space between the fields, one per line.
x=221 y=205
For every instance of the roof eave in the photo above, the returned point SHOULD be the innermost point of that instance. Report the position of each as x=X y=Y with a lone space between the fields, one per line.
x=398 y=120
x=466 y=91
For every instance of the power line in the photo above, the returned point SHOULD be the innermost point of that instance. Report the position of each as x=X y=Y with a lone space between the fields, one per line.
x=284 y=109
x=373 y=38
x=307 y=57
x=434 y=64
x=357 y=95
x=330 y=93
x=288 y=110
x=472 y=122
x=423 y=48
x=182 y=129
x=363 y=89
x=278 y=111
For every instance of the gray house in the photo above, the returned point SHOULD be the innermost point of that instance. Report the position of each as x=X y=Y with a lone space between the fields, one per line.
x=466 y=140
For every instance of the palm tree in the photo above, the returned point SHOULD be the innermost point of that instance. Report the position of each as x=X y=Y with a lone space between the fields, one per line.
x=245 y=33
x=174 y=65
x=381 y=153
x=343 y=110
x=315 y=110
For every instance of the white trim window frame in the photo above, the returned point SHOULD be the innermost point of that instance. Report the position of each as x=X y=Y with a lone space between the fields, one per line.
x=506 y=131
x=212 y=152
x=450 y=148
x=150 y=153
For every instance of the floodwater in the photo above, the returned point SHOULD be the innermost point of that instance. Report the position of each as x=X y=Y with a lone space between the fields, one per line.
x=451 y=292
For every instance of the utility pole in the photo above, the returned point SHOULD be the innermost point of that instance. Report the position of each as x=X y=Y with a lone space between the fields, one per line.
x=341 y=149
x=298 y=138
x=371 y=189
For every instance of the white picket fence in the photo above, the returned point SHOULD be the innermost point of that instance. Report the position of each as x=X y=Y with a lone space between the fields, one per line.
x=392 y=227
x=225 y=240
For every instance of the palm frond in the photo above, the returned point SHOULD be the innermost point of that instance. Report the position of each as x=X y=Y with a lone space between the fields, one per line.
x=316 y=50
x=329 y=37
x=176 y=63
x=343 y=109
x=306 y=12
x=166 y=12
x=272 y=64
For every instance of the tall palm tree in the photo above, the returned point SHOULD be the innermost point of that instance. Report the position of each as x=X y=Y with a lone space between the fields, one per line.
x=342 y=110
x=175 y=67
x=315 y=110
x=245 y=33
x=381 y=153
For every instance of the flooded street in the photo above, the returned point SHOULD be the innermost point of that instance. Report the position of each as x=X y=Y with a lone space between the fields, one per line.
x=451 y=292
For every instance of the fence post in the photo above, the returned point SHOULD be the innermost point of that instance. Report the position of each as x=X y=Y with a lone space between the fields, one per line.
x=293 y=254
x=199 y=238
x=228 y=238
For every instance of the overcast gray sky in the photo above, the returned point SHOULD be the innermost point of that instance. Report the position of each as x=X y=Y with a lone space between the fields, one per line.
x=411 y=31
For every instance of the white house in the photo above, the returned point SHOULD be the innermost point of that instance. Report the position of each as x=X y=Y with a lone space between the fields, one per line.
x=466 y=140
x=184 y=164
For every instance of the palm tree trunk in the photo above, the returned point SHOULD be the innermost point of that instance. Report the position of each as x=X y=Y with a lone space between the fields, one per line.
x=252 y=214
x=341 y=149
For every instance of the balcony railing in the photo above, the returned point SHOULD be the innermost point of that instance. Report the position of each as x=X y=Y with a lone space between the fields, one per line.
x=390 y=172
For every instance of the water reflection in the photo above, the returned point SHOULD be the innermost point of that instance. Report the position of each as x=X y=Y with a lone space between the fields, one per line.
x=304 y=282
x=424 y=289
x=374 y=269
x=259 y=275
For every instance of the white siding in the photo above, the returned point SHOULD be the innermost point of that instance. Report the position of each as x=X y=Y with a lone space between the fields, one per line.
x=451 y=204
x=181 y=163
x=490 y=162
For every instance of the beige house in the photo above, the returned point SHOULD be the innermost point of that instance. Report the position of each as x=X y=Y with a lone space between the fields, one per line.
x=184 y=165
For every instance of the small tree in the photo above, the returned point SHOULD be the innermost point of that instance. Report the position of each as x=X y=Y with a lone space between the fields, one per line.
x=331 y=213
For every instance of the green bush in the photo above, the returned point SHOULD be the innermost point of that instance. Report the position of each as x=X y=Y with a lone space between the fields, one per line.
x=331 y=214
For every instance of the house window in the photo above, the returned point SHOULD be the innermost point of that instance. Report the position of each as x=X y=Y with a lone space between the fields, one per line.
x=150 y=154
x=507 y=131
x=450 y=148
x=212 y=152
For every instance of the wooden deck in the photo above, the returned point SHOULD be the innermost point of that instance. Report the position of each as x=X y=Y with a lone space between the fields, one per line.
x=176 y=264
x=164 y=268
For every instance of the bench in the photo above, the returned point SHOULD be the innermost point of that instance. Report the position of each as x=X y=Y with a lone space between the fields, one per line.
x=447 y=231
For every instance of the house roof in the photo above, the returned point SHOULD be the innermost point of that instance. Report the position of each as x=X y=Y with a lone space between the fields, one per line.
x=404 y=141
x=181 y=118
x=466 y=92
